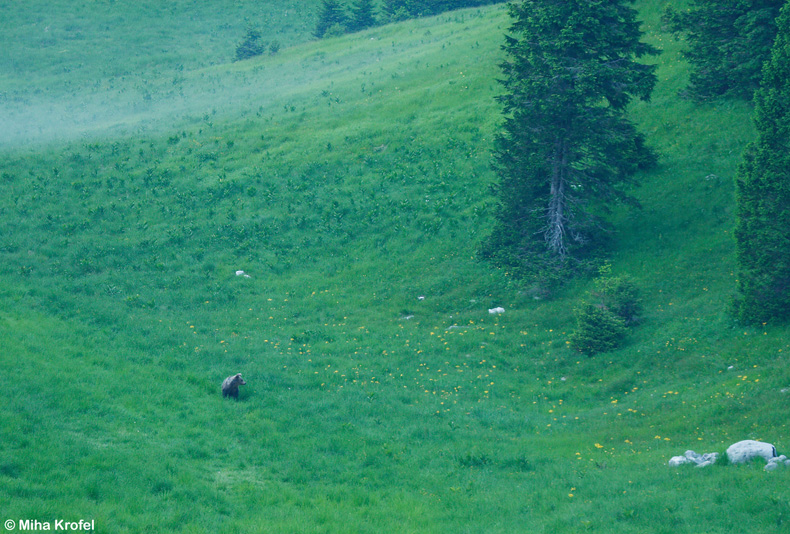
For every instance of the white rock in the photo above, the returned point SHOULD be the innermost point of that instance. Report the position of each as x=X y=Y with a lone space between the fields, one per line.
x=691 y=457
x=747 y=450
x=496 y=311
x=775 y=463
x=708 y=458
x=239 y=273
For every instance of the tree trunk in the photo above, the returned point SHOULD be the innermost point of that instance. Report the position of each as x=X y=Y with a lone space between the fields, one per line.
x=557 y=219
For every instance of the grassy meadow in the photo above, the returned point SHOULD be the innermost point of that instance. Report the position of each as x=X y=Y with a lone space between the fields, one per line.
x=349 y=178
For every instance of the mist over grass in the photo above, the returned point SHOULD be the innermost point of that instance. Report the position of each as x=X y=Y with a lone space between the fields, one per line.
x=71 y=69
x=159 y=99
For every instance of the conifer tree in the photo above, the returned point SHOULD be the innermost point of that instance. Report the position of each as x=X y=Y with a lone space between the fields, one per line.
x=566 y=150
x=396 y=10
x=251 y=46
x=728 y=42
x=762 y=233
x=331 y=16
x=362 y=16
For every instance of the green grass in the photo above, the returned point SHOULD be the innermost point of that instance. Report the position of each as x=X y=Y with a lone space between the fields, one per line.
x=348 y=178
x=83 y=42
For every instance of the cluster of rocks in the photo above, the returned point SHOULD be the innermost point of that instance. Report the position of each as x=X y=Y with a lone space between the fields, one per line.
x=777 y=461
x=691 y=457
x=737 y=453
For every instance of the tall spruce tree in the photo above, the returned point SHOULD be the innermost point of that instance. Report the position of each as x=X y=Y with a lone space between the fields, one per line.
x=331 y=17
x=362 y=16
x=728 y=42
x=566 y=150
x=762 y=233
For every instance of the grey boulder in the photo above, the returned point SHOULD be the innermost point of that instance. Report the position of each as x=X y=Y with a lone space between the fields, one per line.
x=748 y=450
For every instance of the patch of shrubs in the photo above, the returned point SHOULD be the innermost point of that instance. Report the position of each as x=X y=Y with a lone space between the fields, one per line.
x=603 y=320
x=252 y=46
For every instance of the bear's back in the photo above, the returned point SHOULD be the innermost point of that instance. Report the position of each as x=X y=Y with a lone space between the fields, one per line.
x=230 y=386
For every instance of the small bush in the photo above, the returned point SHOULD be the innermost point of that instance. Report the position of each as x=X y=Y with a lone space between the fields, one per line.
x=251 y=46
x=619 y=295
x=597 y=330
x=602 y=322
x=336 y=30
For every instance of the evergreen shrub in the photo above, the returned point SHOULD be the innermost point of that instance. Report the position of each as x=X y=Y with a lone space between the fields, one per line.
x=602 y=322
x=619 y=295
x=250 y=46
x=597 y=330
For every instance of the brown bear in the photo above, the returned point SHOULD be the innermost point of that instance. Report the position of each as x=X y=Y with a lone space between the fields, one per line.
x=230 y=387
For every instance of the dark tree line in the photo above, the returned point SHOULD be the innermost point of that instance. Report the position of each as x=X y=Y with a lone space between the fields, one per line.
x=741 y=49
x=396 y=9
x=334 y=18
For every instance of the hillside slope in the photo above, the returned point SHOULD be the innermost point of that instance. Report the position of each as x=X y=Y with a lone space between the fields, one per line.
x=349 y=178
x=69 y=65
